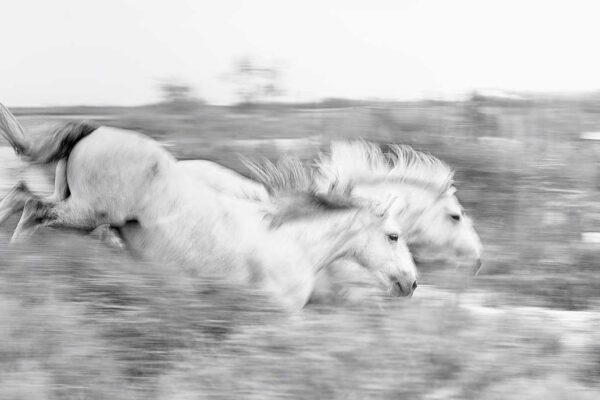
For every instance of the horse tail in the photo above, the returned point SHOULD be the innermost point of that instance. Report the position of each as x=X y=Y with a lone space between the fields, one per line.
x=53 y=148
x=61 y=142
x=12 y=131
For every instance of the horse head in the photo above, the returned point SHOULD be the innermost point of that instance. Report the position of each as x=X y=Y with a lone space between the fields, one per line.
x=444 y=231
x=379 y=246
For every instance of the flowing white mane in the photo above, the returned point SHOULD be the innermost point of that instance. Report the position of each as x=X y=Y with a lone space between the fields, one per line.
x=350 y=163
x=286 y=176
x=290 y=185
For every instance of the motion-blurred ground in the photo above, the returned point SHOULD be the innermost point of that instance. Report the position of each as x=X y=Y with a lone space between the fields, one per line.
x=81 y=321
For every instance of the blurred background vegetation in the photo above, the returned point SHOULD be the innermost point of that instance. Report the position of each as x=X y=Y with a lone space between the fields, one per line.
x=82 y=321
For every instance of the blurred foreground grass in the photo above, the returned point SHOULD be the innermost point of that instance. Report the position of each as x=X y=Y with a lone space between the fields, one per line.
x=79 y=321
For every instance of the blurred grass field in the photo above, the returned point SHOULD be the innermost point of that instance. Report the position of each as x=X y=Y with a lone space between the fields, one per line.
x=82 y=321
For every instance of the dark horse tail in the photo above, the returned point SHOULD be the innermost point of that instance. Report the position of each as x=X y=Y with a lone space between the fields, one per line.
x=53 y=148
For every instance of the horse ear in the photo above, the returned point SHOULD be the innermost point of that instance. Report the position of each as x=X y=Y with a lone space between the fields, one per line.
x=397 y=207
x=390 y=207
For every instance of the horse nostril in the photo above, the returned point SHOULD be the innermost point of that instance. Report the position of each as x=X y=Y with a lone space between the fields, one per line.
x=414 y=286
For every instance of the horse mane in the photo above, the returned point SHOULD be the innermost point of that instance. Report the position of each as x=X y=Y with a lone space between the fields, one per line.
x=286 y=176
x=305 y=206
x=290 y=186
x=349 y=163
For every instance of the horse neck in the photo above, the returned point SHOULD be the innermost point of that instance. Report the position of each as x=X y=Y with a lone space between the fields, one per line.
x=326 y=238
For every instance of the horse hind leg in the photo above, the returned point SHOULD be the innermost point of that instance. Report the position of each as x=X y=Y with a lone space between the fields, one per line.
x=14 y=201
x=68 y=214
x=38 y=211
x=30 y=220
x=61 y=187
x=20 y=194
x=16 y=198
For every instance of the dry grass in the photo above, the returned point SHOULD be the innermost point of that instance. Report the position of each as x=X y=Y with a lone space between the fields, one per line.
x=79 y=321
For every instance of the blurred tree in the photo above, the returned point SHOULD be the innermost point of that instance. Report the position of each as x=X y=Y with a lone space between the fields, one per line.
x=179 y=96
x=254 y=83
x=480 y=122
x=174 y=92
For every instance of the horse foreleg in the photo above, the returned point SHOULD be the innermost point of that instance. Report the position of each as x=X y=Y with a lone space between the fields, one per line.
x=109 y=236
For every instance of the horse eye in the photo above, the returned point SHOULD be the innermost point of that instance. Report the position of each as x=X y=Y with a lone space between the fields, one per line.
x=455 y=217
x=392 y=237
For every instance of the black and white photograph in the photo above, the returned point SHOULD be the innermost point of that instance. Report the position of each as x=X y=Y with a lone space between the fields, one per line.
x=266 y=199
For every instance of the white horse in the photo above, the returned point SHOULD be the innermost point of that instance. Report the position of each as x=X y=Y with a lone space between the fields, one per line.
x=127 y=180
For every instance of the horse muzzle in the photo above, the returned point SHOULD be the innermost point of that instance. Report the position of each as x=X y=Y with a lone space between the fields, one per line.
x=469 y=266
x=402 y=287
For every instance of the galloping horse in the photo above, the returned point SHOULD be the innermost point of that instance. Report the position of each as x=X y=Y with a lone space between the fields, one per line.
x=129 y=181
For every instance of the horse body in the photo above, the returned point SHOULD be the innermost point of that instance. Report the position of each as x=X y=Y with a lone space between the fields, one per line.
x=215 y=243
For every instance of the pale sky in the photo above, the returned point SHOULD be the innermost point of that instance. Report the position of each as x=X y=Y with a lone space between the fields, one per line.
x=67 y=52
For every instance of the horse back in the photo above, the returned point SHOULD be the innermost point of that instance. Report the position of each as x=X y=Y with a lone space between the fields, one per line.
x=224 y=180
